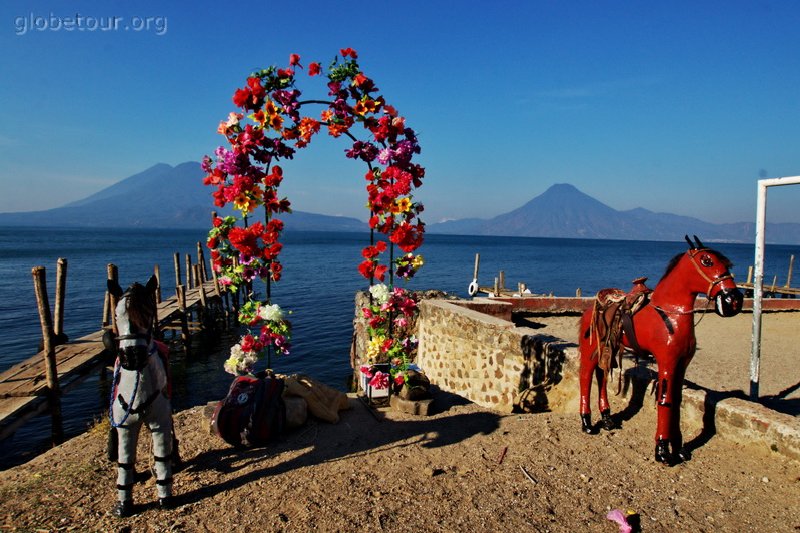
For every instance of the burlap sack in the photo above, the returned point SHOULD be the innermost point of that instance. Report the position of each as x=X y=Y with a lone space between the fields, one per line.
x=324 y=402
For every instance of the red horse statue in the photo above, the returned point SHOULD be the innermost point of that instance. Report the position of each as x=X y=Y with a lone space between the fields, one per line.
x=658 y=322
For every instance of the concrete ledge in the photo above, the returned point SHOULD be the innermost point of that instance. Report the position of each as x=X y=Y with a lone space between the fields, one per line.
x=746 y=421
x=487 y=306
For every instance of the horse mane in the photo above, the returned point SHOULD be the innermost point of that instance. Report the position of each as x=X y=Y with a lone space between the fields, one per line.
x=674 y=261
x=140 y=306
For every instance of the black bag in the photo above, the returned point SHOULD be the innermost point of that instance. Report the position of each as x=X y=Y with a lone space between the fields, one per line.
x=253 y=412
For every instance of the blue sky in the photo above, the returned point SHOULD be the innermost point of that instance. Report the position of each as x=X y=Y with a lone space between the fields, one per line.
x=672 y=106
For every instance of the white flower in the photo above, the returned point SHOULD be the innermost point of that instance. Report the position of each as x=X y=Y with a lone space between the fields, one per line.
x=270 y=313
x=231 y=365
x=380 y=293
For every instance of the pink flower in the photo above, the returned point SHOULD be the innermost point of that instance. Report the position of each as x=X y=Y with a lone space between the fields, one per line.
x=379 y=381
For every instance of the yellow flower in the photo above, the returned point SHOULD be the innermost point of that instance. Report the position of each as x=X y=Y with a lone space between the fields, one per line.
x=244 y=203
x=418 y=261
x=401 y=206
x=374 y=347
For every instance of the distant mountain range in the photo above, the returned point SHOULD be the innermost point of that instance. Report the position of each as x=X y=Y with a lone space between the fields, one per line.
x=164 y=196
x=160 y=197
x=564 y=211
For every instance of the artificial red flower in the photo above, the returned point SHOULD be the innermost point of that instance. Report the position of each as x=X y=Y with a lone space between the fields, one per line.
x=294 y=60
x=314 y=69
x=348 y=52
x=360 y=79
x=370 y=252
x=276 y=268
x=274 y=178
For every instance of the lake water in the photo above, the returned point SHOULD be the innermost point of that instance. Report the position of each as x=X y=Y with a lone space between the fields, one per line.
x=319 y=282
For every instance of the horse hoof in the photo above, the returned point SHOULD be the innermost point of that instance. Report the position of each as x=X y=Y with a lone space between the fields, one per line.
x=123 y=509
x=662 y=453
x=683 y=455
x=586 y=424
x=606 y=422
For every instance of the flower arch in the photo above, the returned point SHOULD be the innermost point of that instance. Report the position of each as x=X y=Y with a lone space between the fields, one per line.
x=270 y=126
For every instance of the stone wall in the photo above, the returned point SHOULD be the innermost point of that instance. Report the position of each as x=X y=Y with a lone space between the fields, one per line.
x=487 y=359
x=472 y=349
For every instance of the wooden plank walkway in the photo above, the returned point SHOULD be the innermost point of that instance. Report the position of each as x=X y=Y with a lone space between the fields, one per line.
x=784 y=291
x=23 y=387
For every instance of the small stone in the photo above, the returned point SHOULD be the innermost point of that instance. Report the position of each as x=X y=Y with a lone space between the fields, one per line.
x=765 y=479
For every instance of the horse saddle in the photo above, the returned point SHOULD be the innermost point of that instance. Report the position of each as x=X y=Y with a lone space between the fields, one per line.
x=612 y=317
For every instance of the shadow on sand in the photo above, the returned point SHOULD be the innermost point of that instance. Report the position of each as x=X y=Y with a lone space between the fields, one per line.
x=357 y=432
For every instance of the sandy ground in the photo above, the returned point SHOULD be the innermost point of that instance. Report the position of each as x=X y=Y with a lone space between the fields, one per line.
x=462 y=469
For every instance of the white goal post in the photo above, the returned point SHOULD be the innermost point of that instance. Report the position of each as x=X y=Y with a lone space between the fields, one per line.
x=758 y=289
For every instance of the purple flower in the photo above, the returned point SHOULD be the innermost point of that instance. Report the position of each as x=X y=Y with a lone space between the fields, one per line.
x=334 y=87
x=362 y=150
x=384 y=156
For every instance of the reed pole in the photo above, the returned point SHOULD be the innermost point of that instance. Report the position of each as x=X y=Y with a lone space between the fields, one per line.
x=51 y=370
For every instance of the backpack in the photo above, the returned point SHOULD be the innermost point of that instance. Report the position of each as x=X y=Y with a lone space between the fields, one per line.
x=253 y=412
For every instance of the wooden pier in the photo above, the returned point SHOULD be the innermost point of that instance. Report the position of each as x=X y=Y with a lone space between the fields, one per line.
x=34 y=386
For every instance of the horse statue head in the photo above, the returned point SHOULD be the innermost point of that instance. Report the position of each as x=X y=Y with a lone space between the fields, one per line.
x=135 y=316
x=713 y=277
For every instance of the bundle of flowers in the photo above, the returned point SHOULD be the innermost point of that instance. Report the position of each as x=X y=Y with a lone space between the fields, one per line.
x=269 y=125
x=389 y=318
x=266 y=326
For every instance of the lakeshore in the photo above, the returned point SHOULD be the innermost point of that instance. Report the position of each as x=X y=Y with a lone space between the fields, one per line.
x=464 y=468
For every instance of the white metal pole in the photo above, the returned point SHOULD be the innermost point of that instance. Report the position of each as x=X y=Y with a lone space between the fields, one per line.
x=758 y=291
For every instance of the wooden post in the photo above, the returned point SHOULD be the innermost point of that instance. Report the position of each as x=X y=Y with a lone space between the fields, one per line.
x=578 y=293
x=789 y=276
x=180 y=291
x=51 y=371
x=496 y=290
x=189 y=279
x=61 y=291
x=157 y=272
x=198 y=280
x=113 y=274
x=750 y=274
x=502 y=279
x=201 y=260
x=177 y=261
x=477 y=264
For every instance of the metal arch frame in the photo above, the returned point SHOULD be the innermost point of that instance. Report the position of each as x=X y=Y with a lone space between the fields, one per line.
x=758 y=289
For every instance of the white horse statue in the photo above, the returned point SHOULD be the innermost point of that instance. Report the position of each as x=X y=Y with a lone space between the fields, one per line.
x=139 y=394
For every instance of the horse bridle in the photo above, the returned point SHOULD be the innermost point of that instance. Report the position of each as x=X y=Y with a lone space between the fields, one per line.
x=711 y=282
